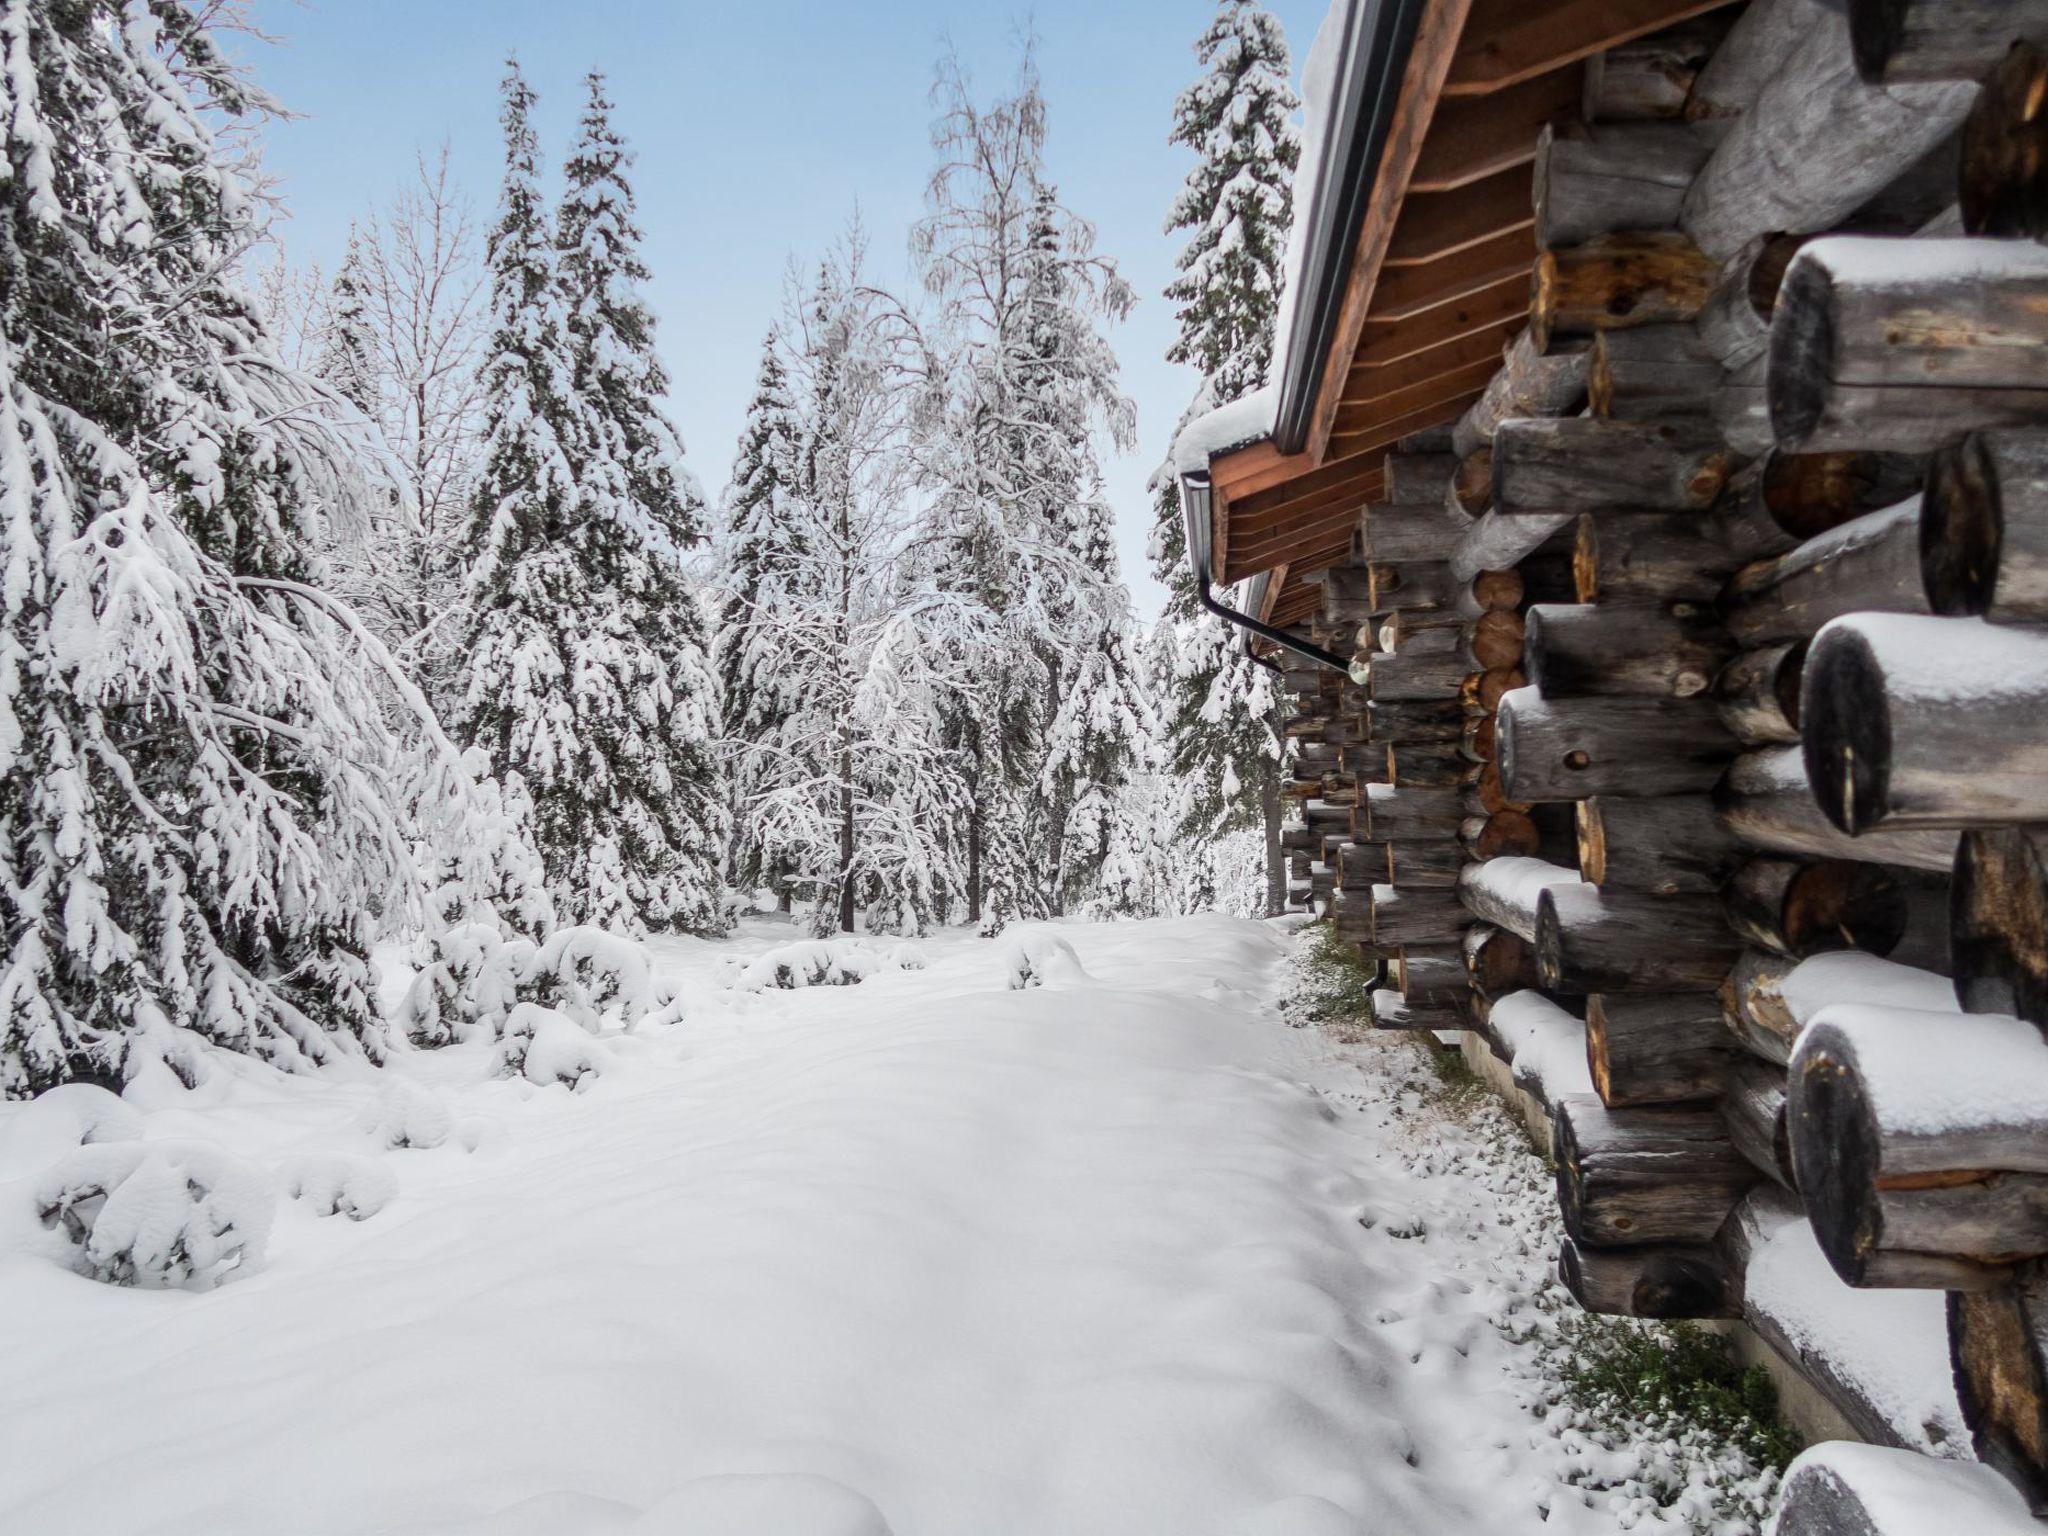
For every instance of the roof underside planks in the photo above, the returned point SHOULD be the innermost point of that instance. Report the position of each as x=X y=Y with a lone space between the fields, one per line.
x=1438 y=282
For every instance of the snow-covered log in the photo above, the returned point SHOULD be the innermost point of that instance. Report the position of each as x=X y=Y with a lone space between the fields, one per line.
x=1572 y=749
x=1599 y=180
x=1505 y=891
x=1673 y=1281
x=1769 y=997
x=1815 y=143
x=1905 y=345
x=1920 y=1144
x=1639 y=1177
x=1870 y=564
x=1617 y=281
x=1765 y=801
x=1656 y=1047
x=1840 y=1488
x=1663 y=846
x=1984 y=528
x=1593 y=940
x=1924 y=722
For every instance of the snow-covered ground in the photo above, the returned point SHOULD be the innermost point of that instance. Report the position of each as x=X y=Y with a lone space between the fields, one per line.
x=1121 y=1254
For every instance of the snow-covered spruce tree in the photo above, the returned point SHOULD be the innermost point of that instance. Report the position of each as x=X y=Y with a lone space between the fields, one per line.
x=195 y=826
x=586 y=678
x=348 y=350
x=840 y=777
x=1023 y=381
x=1222 y=724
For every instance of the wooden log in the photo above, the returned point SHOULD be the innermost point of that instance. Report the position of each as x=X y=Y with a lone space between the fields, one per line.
x=1419 y=673
x=1741 y=409
x=1429 y=971
x=2002 y=185
x=1424 y=865
x=1630 y=557
x=1815 y=144
x=1802 y=909
x=1926 y=722
x=1896 y=40
x=1844 y=1489
x=1351 y=914
x=1656 y=1048
x=1998 y=1348
x=1763 y=37
x=1591 y=181
x=1753 y=1112
x=1483 y=691
x=1506 y=834
x=1392 y=1011
x=1634 y=649
x=1780 y=499
x=1498 y=639
x=1590 y=939
x=1984 y=528
x=1734 y=325
x=1616 y=282
x=1541 y=466
x=1411 y=584
x=1572 y=749
x=1920 y=1144
x=1361 y=866
x=1497 y=541
x=1533 y=381
x=1640 y=1177
x=1426 y=765
x=1471 y=489
x=1418 y=479
x=1497 y=962
x=1647 y=79
x=1665 y=847
x=1490 y=796
x=1670 y=1282
x=1403 y=917
x=1765 y=801
x=1412 y=722
x=1652 y=373
x=1769 y=998
x=1870 y=564
x=1506 y=892
x=1998 y=922
x=1412 y=815
x=1396 y=532
x=1869 y=350
x=1758 y=694
x=1492 y=591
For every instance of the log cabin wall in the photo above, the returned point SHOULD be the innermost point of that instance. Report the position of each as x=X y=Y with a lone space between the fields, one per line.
x=1699 y=708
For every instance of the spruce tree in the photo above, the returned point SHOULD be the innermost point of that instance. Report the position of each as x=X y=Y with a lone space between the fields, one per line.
x=196 y=827
x=349 y=363
x=1222 y=724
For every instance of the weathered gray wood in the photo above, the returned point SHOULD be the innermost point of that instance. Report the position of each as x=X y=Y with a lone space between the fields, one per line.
x=1411 y=584
x=2001 y=181
x=1678 y=1281
x=1412 y=815
x=1647 y=79
x=1645 y=650
x=1497 y=541
x=1734 y=325
x=1998 y=1346
x=1414 y=721
x=1418 y=479
x=1666 y=846
x=1800 y=908
x=1815 y=144
x=1579 y=464
x=1870 y=564
x=1392 y=1011
x=1920 y=1145
x=1591 y=939
x=1765 y=801
x=1652 y=373
x=1656 y=1048
x=1741 y=409
x=1895 y=40
x=1926 y=722
x=1984 y=528
x=1572 y=749
x=1752 y=1111
x=1498 y=962
x=1601 y=180
x=1780 y=499
x=1425 y=865
x=1505 y=892
x=1427 y=765
x=1871 y=347
x=1409 y=531
x=1758 y=694
x=1998 y=922
x=1638 y=1177
x=1764 y=35
x=1532 y=381
x=1361 y=866
x=1416 y=673
x=1616 y=282
x=1423 y=971
x=1403 y=917
x=1634 y=557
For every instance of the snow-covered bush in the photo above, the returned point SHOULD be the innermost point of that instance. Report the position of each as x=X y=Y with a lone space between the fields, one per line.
x=475 y=978
x=589 y=974
x=545 y=1046
x=341 y=1184
x=36 y=1133
x=1033 y=959
x=403 y=1114
x=821 y=963
x=158 y=1214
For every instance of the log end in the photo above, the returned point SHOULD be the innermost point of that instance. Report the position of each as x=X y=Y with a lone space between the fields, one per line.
x=1835 y=1153
x=1961 y=530
x=1591 y=830
x=1998 y=925
x=2000 y=1386
x=1661 y=1285
x=1802 y=351
x=1845 y=730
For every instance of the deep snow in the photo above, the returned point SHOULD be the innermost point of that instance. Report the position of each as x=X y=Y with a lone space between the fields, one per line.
x=930 y=1255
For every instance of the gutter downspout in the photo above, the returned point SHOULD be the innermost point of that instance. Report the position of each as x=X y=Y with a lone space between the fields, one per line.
x=1194 y=511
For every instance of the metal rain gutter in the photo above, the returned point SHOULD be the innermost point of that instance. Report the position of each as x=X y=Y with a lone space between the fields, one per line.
x=1194 y=513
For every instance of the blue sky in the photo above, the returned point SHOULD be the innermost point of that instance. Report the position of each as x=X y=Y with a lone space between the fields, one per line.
x=760 y=129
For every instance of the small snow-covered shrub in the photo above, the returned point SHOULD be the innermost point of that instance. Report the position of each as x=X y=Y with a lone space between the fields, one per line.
x=1033 y=959
x=475 y=978
x=810 y=963
x=404 y=1114
x=548 y=1047
x=588 y=974
x=907 y=957
x=472 y=979
x=341 y=1184
x=36 y=1132
x=158 y=1214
